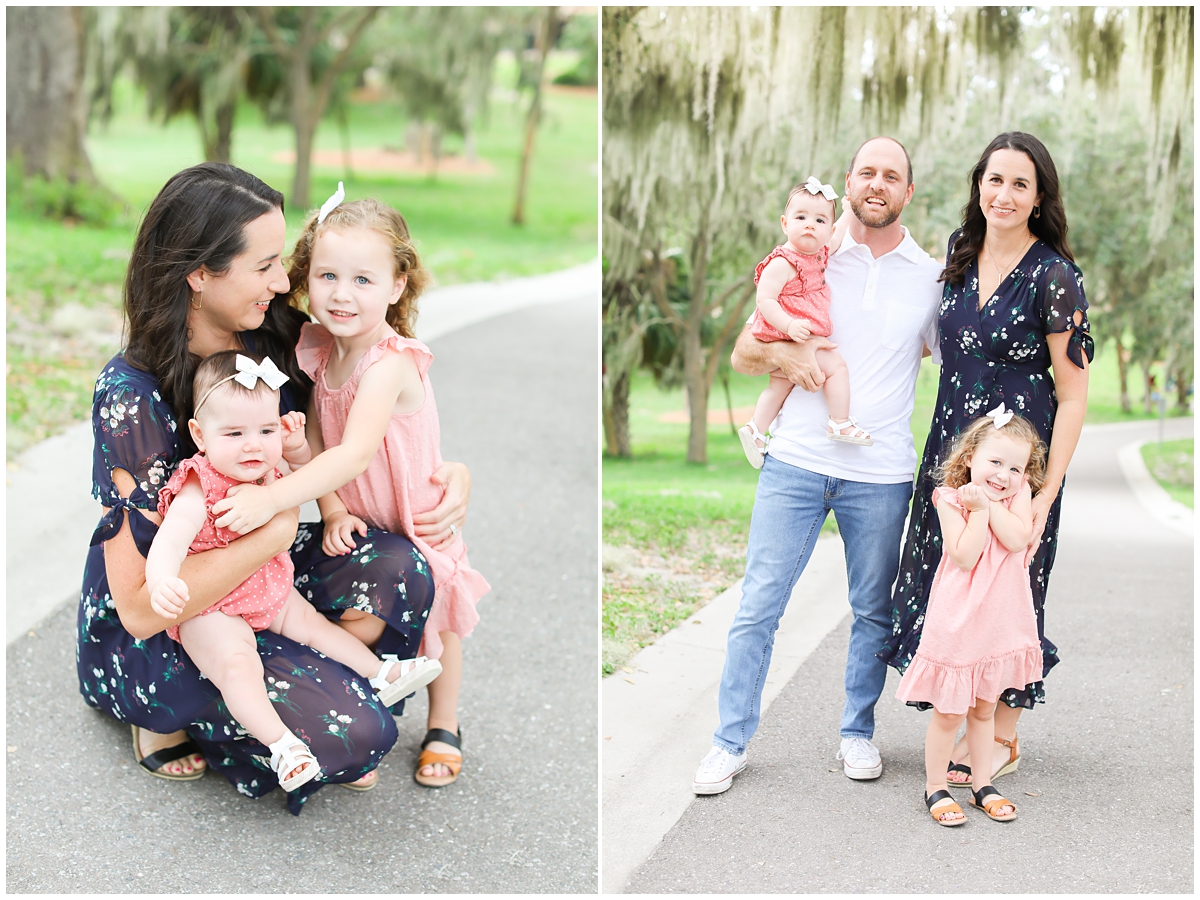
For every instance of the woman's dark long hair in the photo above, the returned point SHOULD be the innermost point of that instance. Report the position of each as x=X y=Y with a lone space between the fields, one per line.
x=1050 y=226
x=198 y=219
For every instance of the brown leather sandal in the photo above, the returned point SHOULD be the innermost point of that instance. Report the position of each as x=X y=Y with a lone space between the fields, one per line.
x=1014 y=759
x=950 y=807
x=432 y=757
x=980 y=800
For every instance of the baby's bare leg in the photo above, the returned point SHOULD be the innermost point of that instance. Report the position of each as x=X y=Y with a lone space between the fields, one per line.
x=770 y=401
x=299 y=621
x=225 y=650
x=837 y=384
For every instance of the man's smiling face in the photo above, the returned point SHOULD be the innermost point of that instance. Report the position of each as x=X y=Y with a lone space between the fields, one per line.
x=877 y=188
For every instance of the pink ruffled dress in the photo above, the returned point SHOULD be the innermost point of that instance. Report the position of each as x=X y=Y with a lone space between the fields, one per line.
x=260 y=597
x=397 y=483
x=805 y=296
x=980 y=634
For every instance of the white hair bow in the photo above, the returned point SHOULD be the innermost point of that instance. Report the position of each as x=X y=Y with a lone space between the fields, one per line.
x=331 y=204
x=248 y=373
x=815 y=187
x=1000 y=416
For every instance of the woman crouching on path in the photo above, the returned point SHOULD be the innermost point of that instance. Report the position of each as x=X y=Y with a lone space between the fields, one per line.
x=204 y=275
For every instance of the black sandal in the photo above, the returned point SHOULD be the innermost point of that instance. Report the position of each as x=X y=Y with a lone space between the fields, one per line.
x=160 y=758
x=958 y=767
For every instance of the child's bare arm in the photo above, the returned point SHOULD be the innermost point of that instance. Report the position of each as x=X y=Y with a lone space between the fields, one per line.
x=840 y=227
x=964 y=541
x=777 y=273
x=246 y=506
x=184 y=519
x=1013 y=526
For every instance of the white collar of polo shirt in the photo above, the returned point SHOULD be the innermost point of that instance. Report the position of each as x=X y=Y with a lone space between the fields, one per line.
x=907 y=247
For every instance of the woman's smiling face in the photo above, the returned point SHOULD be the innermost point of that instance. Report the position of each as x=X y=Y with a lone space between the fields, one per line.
x=1008 y=190
x=238 y=300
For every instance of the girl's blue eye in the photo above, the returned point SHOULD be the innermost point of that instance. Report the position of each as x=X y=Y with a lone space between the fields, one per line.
x=362 y=279
x=328 y=276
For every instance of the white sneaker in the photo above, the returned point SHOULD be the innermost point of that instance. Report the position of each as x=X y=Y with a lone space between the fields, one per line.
x=860 y=759
x=716 y=771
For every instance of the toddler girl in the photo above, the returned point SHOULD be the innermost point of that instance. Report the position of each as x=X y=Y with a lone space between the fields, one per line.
x=373 y=423
x=238 y=430
x=980 y=635
x=793 y=304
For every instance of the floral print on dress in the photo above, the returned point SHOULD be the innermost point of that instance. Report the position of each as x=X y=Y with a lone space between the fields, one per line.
x=991 y=355
x=153 y=684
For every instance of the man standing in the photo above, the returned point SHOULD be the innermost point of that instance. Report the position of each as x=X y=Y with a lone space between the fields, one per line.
x=885 y=296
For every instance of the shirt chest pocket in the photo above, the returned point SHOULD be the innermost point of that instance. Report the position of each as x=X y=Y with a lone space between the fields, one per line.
x=902 y=326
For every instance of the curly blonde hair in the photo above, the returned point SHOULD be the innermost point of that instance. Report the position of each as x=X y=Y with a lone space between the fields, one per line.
x=383 y=220
x=955 y=471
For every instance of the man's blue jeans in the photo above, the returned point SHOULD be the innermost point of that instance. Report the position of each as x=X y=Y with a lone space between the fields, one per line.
x=789 y=509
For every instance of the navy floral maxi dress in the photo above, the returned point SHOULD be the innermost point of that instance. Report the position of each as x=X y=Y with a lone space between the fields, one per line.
x=153 y=683
x=997 y=354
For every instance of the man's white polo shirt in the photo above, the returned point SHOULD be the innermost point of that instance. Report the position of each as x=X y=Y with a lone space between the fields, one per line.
x=884 y=312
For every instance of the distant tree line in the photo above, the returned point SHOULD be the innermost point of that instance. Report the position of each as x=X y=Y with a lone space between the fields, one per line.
x=298 y=64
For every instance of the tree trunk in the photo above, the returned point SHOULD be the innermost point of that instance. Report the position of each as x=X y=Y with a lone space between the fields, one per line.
x=1123 y=375
x=344 y=128
x=223 y=151
x=303 y=121
x=545 y=37
x=1181 y=395
x=46 y=111
x=616 y=420
x=697 y=396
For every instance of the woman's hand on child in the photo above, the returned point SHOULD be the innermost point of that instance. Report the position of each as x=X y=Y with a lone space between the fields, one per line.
x=435 y=526
x=245 y=507
x=1041 y=508
x=339 y=530
x=973 y=497
x=292 y=425
x=168 y=597
x=798 y=331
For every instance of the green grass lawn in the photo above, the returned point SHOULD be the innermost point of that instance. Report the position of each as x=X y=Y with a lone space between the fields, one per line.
x=1172 y=463
x=665 y=521
x=460 y=223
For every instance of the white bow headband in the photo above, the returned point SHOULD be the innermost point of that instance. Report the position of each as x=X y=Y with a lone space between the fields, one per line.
x=1000 y=416
x=248 y=373
x=332 y=203
x=815 y=187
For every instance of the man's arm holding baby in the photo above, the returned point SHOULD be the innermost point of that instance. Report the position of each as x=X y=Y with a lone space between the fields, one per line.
x=795 y=359
x=183 y=521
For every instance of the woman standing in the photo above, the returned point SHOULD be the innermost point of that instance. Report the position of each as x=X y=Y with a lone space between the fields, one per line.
x=1012 y=328
x=204 y=276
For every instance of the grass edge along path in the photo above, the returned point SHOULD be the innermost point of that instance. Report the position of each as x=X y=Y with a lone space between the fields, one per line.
x=1172 y=465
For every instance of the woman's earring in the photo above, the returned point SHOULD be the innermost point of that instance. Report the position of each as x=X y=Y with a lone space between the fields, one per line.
x=193 y=300
x=1037 y=212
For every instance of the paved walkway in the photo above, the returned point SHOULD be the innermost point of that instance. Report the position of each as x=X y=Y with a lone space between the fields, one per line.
x=518 y=403
x=1095 y=814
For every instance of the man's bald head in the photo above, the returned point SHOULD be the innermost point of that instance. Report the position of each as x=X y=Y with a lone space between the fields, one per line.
x=907 y=160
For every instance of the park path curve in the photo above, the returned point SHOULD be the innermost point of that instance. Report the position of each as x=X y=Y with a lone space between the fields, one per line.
x=1120 y=610
x=518 y=403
